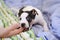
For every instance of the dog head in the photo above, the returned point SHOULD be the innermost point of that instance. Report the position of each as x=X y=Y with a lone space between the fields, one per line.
x=26 y=15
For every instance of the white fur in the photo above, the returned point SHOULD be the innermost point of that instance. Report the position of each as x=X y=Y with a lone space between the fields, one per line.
x=28 y=8
x=23 y=19
x=38 y=19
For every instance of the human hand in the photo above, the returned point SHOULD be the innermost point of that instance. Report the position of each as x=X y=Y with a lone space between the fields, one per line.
x=11 y=30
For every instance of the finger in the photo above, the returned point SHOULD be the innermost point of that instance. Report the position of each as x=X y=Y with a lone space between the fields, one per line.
x=15 y=32
x=16 y=25
x=13 y=27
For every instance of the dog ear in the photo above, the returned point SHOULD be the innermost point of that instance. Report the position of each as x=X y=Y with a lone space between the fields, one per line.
x=34 y=12
x=20 y=11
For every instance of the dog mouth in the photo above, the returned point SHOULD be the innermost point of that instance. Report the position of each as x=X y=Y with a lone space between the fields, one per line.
x=24 y=26
x=25 y=29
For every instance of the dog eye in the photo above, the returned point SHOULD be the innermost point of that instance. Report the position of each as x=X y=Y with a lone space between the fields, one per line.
x=27 y=18
x=20 y=18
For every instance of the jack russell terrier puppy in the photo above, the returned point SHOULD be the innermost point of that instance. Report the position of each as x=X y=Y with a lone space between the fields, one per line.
x=30 y=15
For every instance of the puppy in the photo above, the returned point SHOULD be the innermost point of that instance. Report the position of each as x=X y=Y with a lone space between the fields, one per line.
x=30 y=15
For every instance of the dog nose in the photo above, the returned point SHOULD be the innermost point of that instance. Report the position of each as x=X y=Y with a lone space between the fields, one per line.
x=23 y=24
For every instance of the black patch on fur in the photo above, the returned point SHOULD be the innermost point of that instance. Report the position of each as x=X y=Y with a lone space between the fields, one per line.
x=20 y=11
x=31 y=15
